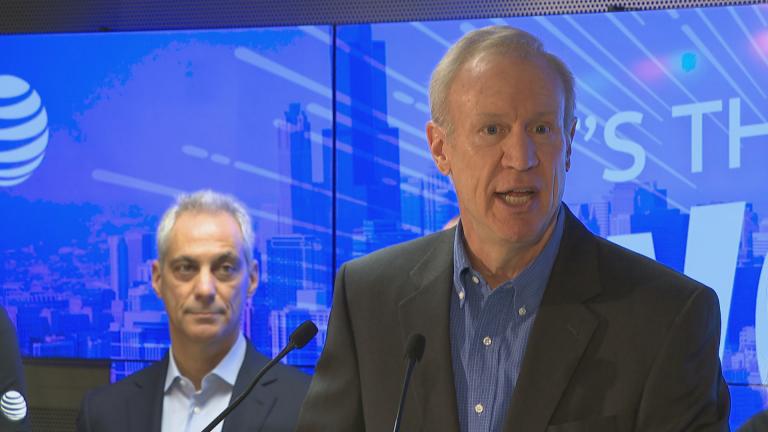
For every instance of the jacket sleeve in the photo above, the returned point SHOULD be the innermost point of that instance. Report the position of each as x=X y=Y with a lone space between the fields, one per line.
x=333 y=402
x=685 y=390
x=83 y=424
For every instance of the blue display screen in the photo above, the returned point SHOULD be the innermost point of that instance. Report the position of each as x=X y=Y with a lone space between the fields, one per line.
x=668 y=158
x=109 y=128
x=98 y=133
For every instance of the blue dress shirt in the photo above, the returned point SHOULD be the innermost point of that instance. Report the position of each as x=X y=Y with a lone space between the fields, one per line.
x=489 y=332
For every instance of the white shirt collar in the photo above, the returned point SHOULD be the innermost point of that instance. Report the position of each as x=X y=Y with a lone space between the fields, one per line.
x=227 y=369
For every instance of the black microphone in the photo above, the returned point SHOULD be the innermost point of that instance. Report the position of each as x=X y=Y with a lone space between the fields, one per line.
x=300 y=337
x=414 y=349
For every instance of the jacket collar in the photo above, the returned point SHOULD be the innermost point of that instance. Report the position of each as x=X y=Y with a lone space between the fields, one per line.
x=145 y=404
x=563 y=326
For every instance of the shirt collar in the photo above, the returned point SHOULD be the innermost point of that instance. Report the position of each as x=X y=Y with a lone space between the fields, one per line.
x=227 y=369
x=536 y=273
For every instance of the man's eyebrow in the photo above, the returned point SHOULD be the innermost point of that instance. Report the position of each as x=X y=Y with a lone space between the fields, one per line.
x=182 y=258
x=546 y=114
x=226 y=256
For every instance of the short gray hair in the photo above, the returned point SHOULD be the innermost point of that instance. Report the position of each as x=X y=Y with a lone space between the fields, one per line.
x=206 y=201
x=496 y=40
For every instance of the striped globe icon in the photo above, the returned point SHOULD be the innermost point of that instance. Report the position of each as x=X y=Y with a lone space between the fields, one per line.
x=23 y=130
x=13 y=406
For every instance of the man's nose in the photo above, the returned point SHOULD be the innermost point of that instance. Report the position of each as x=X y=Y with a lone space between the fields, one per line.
x=205 y=286
x=519 y=151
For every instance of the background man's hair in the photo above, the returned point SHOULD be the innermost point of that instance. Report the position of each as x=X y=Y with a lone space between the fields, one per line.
x=206 y=201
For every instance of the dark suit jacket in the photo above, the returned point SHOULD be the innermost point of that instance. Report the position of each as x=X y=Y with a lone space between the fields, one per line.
x=758 y=423
x=136 y=403
x=620 y=343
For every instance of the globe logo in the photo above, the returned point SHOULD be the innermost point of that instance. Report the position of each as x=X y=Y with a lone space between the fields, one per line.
x=23 y=130
x=13 y=406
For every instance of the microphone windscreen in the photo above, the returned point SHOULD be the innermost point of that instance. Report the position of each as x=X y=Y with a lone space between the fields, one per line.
x=303 y=334
x=414 y=349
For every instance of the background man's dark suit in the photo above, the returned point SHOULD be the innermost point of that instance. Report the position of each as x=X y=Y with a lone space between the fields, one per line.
x=620 y=343
x=135 y=403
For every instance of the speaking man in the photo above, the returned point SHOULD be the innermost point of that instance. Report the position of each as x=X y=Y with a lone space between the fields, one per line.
x=531 y=322
x=204 y=274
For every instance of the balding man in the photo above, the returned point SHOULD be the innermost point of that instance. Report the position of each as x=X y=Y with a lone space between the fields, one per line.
x=532 y=323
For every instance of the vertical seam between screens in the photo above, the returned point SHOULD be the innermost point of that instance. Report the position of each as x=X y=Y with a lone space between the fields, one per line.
x=334 y=224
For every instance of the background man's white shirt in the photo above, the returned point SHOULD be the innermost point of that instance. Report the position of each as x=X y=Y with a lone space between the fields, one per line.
x=187 y=410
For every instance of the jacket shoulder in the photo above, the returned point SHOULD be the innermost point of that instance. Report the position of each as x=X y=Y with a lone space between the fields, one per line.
x=104 y=407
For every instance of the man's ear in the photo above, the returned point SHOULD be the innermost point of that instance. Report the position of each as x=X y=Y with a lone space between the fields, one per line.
x=436 y=137
x=253 y=278
x=156 y=278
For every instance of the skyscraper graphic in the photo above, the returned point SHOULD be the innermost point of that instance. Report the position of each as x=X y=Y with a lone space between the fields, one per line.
x=370 y=172
x=293 y=264
x=669 y=227
x=298 y=284
x=118 y=266
x=299 y=159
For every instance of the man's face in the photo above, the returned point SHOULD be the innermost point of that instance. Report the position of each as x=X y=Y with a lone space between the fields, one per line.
x=204 y=279
x=508 y=150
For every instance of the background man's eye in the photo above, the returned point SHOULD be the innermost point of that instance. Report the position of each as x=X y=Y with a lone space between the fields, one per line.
x=492 y=130
x=541 y=129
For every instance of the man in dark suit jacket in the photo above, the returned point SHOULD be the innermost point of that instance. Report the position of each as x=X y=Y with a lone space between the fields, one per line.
x=531 y=322
x=135 y=403
x=204 y=274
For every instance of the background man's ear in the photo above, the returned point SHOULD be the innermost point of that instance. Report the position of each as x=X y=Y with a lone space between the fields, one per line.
x=253 y=278
x=156 y=278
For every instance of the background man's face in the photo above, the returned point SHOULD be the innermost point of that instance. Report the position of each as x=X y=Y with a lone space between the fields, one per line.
x=508 y=151
x=204 y=280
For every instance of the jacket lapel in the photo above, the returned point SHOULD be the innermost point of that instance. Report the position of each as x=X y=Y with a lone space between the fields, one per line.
x=253 y=411
x=561 y=332
x=145 y=406
x=427 y=311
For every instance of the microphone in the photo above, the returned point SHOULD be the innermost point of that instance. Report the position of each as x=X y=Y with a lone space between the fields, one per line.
x=300 y=337
x=414 y=349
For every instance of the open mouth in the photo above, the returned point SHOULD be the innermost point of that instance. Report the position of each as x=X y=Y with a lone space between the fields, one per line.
x=517 y=197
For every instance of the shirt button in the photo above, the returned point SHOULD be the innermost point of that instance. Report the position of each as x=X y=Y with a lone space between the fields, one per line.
x=475 y=279
x=461 y=295
x=479 y=408
x=487 y=341
x=522 y=311
x=196 y=410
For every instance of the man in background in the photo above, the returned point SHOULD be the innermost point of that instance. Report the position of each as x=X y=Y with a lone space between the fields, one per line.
x=532 y=323
x=204 y=274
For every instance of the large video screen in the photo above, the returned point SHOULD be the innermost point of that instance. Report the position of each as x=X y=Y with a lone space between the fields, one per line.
x=99 y=133
x=669 y=156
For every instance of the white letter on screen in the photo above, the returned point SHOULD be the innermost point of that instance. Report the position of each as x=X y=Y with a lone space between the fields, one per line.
x=736 y=132
x=625 y=146
x=641 y=243
x=714 y=233
x=697 y=111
